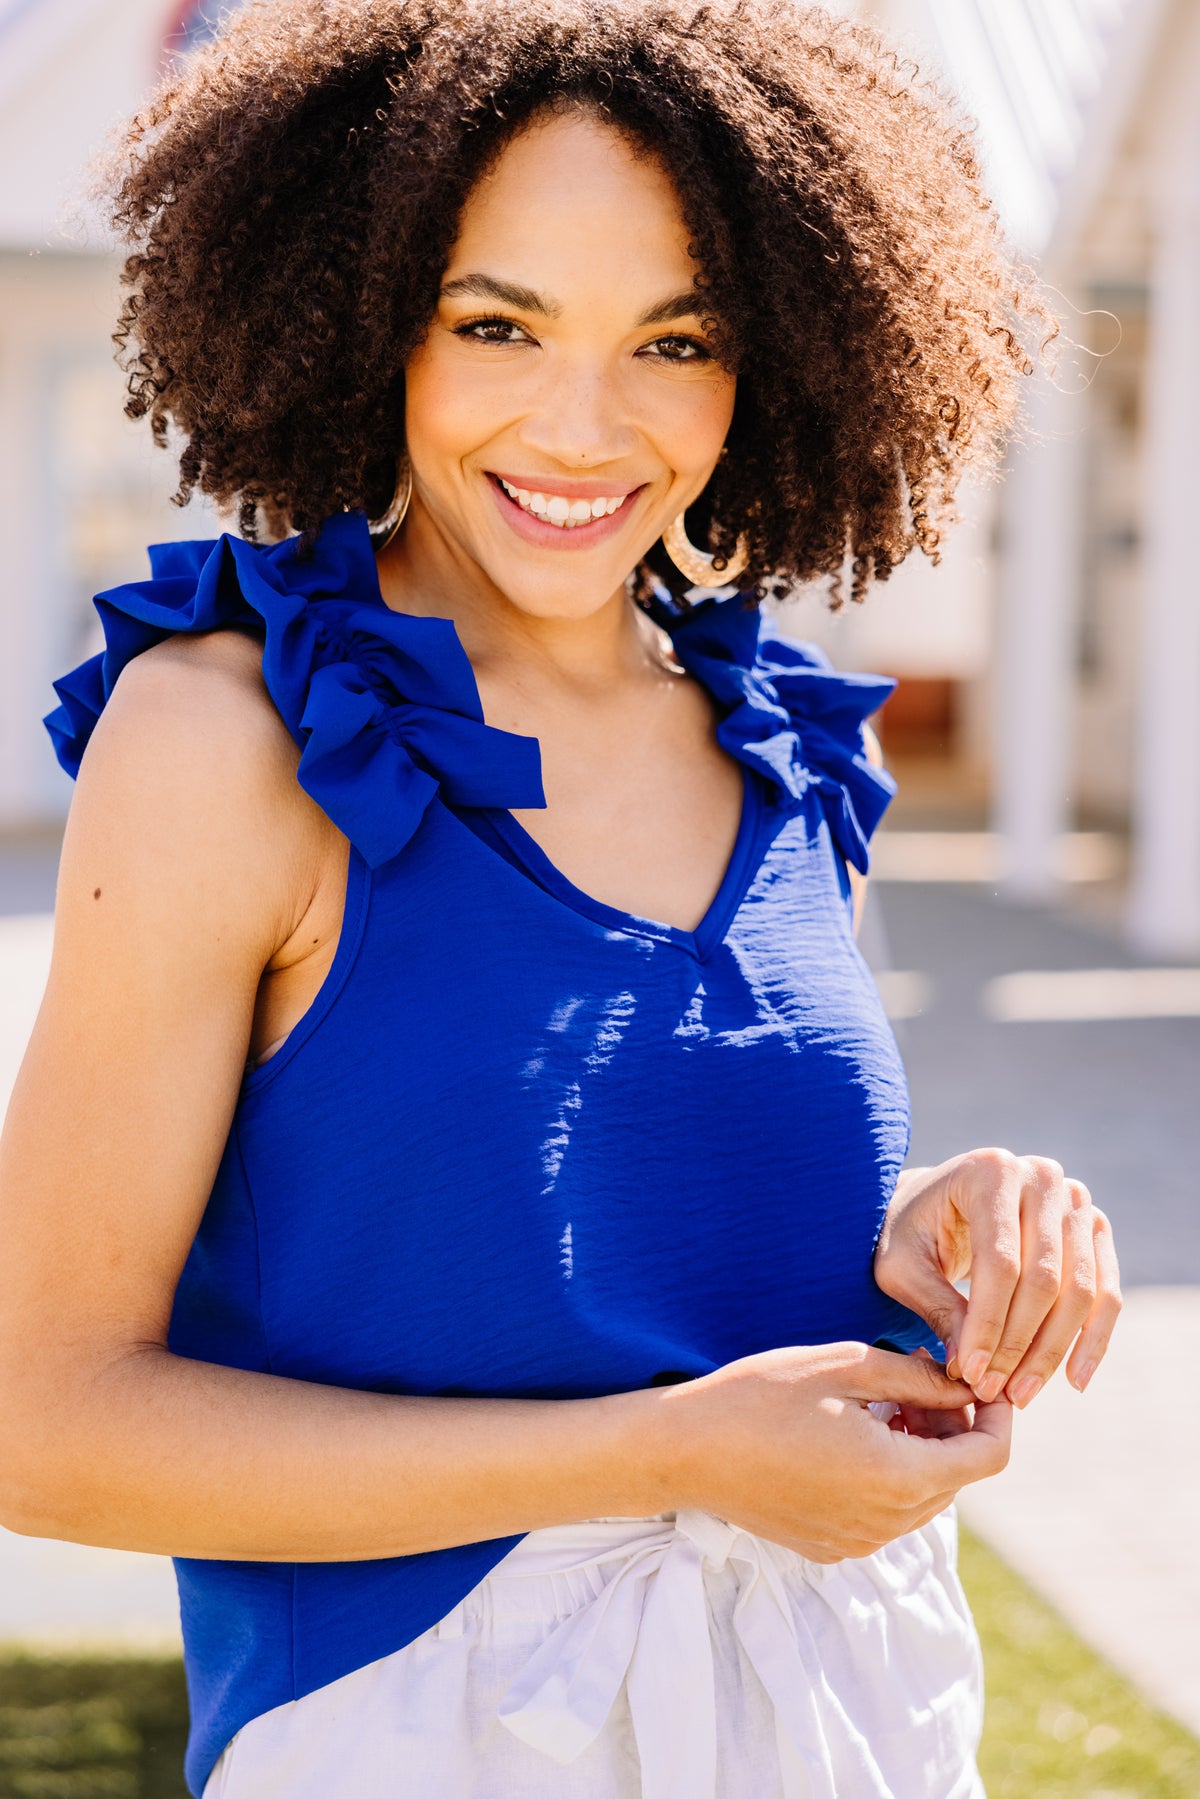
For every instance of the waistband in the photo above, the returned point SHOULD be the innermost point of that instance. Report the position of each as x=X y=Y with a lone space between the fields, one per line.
x=648 y=1626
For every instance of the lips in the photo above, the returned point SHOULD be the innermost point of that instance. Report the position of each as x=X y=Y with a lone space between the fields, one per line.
x=559 y=515
x=559 y=509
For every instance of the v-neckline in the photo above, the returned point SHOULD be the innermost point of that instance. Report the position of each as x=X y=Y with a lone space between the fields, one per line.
x=527 y=854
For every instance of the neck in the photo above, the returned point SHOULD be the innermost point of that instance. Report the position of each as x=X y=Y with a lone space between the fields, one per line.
x=423 y=572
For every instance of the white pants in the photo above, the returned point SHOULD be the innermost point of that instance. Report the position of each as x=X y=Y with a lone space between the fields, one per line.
x=673 y=1657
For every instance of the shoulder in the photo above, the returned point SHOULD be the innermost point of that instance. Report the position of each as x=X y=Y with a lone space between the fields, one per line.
x=196 y=690
x=790 y=713
x=187 y=795
x=193 y=713
x=858 y=881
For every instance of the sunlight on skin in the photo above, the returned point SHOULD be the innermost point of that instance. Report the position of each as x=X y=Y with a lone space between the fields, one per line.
x=580 y=401
x=566 y=358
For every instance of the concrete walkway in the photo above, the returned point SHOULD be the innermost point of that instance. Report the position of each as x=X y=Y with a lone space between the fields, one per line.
x=1098 y=1506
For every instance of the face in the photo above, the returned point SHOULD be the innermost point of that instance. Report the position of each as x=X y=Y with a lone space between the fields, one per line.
x=566 y=403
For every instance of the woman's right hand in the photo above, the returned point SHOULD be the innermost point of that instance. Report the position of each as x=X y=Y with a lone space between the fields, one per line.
x=782 y=1444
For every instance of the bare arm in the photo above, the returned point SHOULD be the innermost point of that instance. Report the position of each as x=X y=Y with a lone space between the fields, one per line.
x=189 y=853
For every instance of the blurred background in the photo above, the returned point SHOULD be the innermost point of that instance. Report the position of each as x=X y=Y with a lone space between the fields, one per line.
x=1034 y=921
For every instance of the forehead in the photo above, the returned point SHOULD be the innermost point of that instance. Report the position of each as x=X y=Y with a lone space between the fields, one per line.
x=572 y=207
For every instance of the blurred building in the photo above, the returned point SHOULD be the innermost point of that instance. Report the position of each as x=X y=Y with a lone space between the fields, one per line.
x=1049 y=669
x=1051 y=666
x=82 y=490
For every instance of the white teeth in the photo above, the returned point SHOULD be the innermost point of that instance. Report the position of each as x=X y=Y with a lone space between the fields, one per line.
x=556 y=509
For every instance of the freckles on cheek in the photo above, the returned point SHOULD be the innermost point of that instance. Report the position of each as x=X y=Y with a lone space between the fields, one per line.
x=699 y=424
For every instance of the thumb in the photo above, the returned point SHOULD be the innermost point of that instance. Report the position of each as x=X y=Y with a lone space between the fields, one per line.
x=909 y=1380
x=918 y=1283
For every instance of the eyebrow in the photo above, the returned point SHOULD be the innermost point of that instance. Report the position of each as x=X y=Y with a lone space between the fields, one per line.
x=679 y=306
x=490 y=287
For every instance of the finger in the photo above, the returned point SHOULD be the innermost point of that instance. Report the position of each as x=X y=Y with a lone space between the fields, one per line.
x=1043 y=1204
x=920 y=1421
x=882 y=1374
x=936 y=1506
x=1070 y=1312
x=994 y=1217
x=954 y=1462
x=1094 y=1338
x=915 y=1279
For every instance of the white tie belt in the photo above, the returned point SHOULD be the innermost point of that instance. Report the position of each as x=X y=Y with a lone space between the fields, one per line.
x=734 y=1664
x=649 y=1626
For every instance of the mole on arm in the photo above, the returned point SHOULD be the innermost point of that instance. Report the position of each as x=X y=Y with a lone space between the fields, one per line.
x=96 y=895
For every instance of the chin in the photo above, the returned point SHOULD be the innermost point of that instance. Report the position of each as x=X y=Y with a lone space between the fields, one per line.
x=572 y=595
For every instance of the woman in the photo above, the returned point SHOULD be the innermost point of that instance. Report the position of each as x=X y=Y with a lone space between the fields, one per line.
x=453 y=1195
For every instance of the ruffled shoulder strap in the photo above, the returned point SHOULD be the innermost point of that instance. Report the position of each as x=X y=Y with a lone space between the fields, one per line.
x=790 y=714
x=383 y=706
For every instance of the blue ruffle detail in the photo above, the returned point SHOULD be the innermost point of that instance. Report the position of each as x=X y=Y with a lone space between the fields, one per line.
x=386 y=712
x=790 y=715
x=383 y=705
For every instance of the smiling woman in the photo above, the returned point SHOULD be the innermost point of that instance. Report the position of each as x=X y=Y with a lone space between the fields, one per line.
x=453 y=1198
x=574 y=374
x=294 y=195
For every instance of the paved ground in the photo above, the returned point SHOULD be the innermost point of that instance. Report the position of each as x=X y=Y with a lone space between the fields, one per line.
x=1098 y=1506
x=1115 y=1100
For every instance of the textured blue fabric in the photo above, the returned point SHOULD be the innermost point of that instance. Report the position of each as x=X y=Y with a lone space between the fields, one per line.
x=384 y=706
x=522 y=1143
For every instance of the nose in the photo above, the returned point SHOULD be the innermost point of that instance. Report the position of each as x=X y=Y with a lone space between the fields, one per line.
x=581 y=420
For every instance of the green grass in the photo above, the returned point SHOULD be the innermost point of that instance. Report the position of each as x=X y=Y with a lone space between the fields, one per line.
x=1060 y=1723
x=91 y=1727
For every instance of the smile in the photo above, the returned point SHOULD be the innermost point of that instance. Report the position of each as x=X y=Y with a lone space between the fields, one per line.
x=555 y=509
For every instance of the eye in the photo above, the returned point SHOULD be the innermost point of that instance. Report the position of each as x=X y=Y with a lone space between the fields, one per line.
x=677 y=348
x=492 y=331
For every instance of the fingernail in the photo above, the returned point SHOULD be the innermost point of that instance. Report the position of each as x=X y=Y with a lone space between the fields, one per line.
x=989 y=1388
x=951 y=1357
x=1025 y=1389
x=975 y=1367
x=1084 y=1376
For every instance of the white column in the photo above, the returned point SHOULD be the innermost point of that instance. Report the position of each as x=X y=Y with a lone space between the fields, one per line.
x=1034 y=637
x=22 y=516
x=1164 y=903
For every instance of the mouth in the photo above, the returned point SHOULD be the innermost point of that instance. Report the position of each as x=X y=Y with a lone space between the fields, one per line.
x=581 y=516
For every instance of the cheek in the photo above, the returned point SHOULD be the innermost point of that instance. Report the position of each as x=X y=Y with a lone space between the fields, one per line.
x=690 y=422
x=446 y=413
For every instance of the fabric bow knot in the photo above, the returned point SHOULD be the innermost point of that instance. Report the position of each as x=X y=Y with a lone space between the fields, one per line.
x=649 y=1628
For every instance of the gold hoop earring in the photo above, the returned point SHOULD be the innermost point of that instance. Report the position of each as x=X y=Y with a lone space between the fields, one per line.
x=383 y=529
x=700 y=568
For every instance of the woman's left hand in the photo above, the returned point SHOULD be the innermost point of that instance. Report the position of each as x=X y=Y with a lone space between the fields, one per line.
x=1040 y=1258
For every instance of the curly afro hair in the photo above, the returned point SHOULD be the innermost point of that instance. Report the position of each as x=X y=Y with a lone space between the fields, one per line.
x=290 y=198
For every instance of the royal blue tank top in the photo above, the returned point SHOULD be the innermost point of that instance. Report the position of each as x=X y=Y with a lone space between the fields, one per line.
x=522 y=1143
